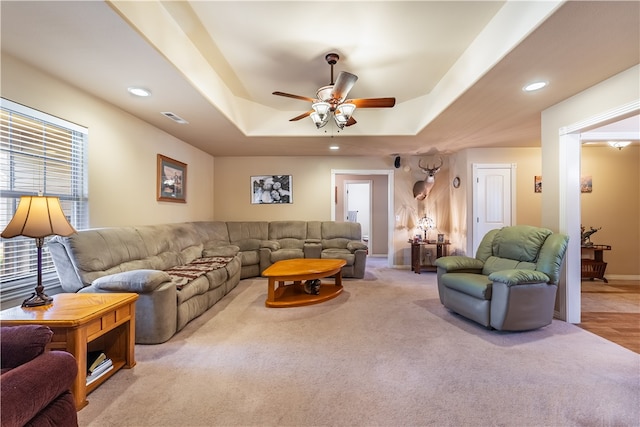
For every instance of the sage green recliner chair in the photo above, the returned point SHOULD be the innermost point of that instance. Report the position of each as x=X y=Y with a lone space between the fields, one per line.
x=511 y=284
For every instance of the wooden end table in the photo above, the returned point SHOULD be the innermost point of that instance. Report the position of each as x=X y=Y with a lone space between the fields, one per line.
x=85 y=322
x=442 y=249
x=296 y=271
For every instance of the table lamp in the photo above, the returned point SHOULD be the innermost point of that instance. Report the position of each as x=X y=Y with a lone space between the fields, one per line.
x=38 y=217
x=426 y=224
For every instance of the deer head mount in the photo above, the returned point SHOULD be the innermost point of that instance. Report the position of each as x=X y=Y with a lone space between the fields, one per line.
x=421 y=189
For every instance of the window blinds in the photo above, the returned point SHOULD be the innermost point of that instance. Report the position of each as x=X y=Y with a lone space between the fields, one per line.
x=39 y=153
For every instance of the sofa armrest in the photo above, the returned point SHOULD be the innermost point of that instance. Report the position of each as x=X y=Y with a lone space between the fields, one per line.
x=519 y=277
x=270 y=244
x=138 y=281
x=29 y=388
x=354 y=245
x=22 y=343
x=460 y=264
x=225 y=250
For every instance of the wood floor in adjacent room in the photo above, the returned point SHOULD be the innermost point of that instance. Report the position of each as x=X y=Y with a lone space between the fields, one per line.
x=612 y=311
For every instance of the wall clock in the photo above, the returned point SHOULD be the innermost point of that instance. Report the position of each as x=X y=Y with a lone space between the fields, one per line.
x=456 y=182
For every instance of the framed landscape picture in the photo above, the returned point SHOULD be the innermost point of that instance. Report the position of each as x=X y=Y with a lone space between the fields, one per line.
x=172 y=180
x=271 y=189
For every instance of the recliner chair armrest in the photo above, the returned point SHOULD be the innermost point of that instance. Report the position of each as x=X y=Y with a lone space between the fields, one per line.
x=270 y=244
x=138 y=281
x=355 y=245
x=519 y=277
x=457 y=262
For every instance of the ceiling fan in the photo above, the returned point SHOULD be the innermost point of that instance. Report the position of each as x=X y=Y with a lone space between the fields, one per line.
x=331 y=100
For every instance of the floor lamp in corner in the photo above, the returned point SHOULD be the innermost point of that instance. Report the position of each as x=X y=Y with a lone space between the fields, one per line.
x=38 y=217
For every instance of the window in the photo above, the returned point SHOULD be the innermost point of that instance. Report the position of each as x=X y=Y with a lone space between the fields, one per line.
x=39 y=153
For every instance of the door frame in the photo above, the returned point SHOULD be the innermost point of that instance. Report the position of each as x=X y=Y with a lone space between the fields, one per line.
x=390 y=205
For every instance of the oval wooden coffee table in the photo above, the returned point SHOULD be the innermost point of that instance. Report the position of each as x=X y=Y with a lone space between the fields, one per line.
x=297 y=271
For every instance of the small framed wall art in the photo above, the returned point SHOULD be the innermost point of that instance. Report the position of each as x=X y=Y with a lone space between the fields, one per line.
x=172 y=180
x=271 y=189
x=537 y=184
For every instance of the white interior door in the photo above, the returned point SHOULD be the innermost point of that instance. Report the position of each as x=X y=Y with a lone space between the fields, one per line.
x=493 y=199
x=358 y=205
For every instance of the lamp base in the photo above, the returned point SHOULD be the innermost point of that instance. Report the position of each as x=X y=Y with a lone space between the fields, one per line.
x=37 y=300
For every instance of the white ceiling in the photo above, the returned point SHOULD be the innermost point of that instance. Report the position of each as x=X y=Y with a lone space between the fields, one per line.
x=456 y=68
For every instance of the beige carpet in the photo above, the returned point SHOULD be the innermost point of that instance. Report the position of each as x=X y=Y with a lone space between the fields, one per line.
x=383 y=353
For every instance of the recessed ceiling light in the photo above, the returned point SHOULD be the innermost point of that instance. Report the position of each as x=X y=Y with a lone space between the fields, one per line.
x=139 y=91
x=534 y=86
x=334 y=147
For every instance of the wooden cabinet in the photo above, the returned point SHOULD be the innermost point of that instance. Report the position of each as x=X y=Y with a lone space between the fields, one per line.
x=441 y=249
x=593 y=265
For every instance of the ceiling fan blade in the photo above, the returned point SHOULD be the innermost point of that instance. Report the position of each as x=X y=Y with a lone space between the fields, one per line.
x=351 y=121
x=343 y=85
x=372 y=102
x=301 y=116
x=288 y=95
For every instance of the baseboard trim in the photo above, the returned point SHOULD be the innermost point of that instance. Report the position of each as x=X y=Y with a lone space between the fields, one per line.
x=631 y=277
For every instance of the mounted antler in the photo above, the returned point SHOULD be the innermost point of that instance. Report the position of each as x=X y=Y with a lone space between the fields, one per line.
x=421 y=189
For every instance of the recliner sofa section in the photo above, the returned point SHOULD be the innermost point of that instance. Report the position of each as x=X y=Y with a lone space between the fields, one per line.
x=144 y=260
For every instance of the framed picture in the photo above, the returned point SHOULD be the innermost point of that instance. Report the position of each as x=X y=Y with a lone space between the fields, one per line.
x=537 y=184
x=271 y=189
x=440 y=238
x=172 y=180
x=586 y=184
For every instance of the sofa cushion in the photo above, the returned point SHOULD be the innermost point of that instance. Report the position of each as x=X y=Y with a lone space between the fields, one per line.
x=475 y=285
x=287 y=229
x=495 y=263
x=519 y=242
x=337 y=243
x=197 y=286
x=224 y=250
x=190 y=253
x=283 y=254
x=249 y=258
x=335 y=253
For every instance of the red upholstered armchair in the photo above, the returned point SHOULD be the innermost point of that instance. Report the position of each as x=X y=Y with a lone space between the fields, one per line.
x=35 y=384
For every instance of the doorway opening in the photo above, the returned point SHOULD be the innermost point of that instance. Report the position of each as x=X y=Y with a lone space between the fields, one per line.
x=382 y=206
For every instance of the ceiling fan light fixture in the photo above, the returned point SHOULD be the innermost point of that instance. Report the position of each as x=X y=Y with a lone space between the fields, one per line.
x=346 y=110
x=322 y=108
x=317 y=120
x=618 y=144
x=340 y=120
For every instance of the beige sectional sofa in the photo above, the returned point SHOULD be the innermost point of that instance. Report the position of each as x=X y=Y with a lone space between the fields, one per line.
x=181 y=270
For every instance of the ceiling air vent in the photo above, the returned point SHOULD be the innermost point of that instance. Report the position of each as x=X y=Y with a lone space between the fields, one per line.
x=175 y=117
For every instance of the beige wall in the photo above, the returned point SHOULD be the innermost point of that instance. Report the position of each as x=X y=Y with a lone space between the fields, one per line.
x=122 y=152
x=614 y=205
x=311 y=183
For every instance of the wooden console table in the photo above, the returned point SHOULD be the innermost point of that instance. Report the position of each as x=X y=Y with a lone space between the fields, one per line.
x=416 y=262
x=593 y=267
x=85 y=322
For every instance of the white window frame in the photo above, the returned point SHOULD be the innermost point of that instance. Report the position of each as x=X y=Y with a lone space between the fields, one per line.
x=35 y=160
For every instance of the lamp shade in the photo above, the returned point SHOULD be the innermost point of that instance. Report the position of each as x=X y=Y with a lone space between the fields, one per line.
x=38 y=217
